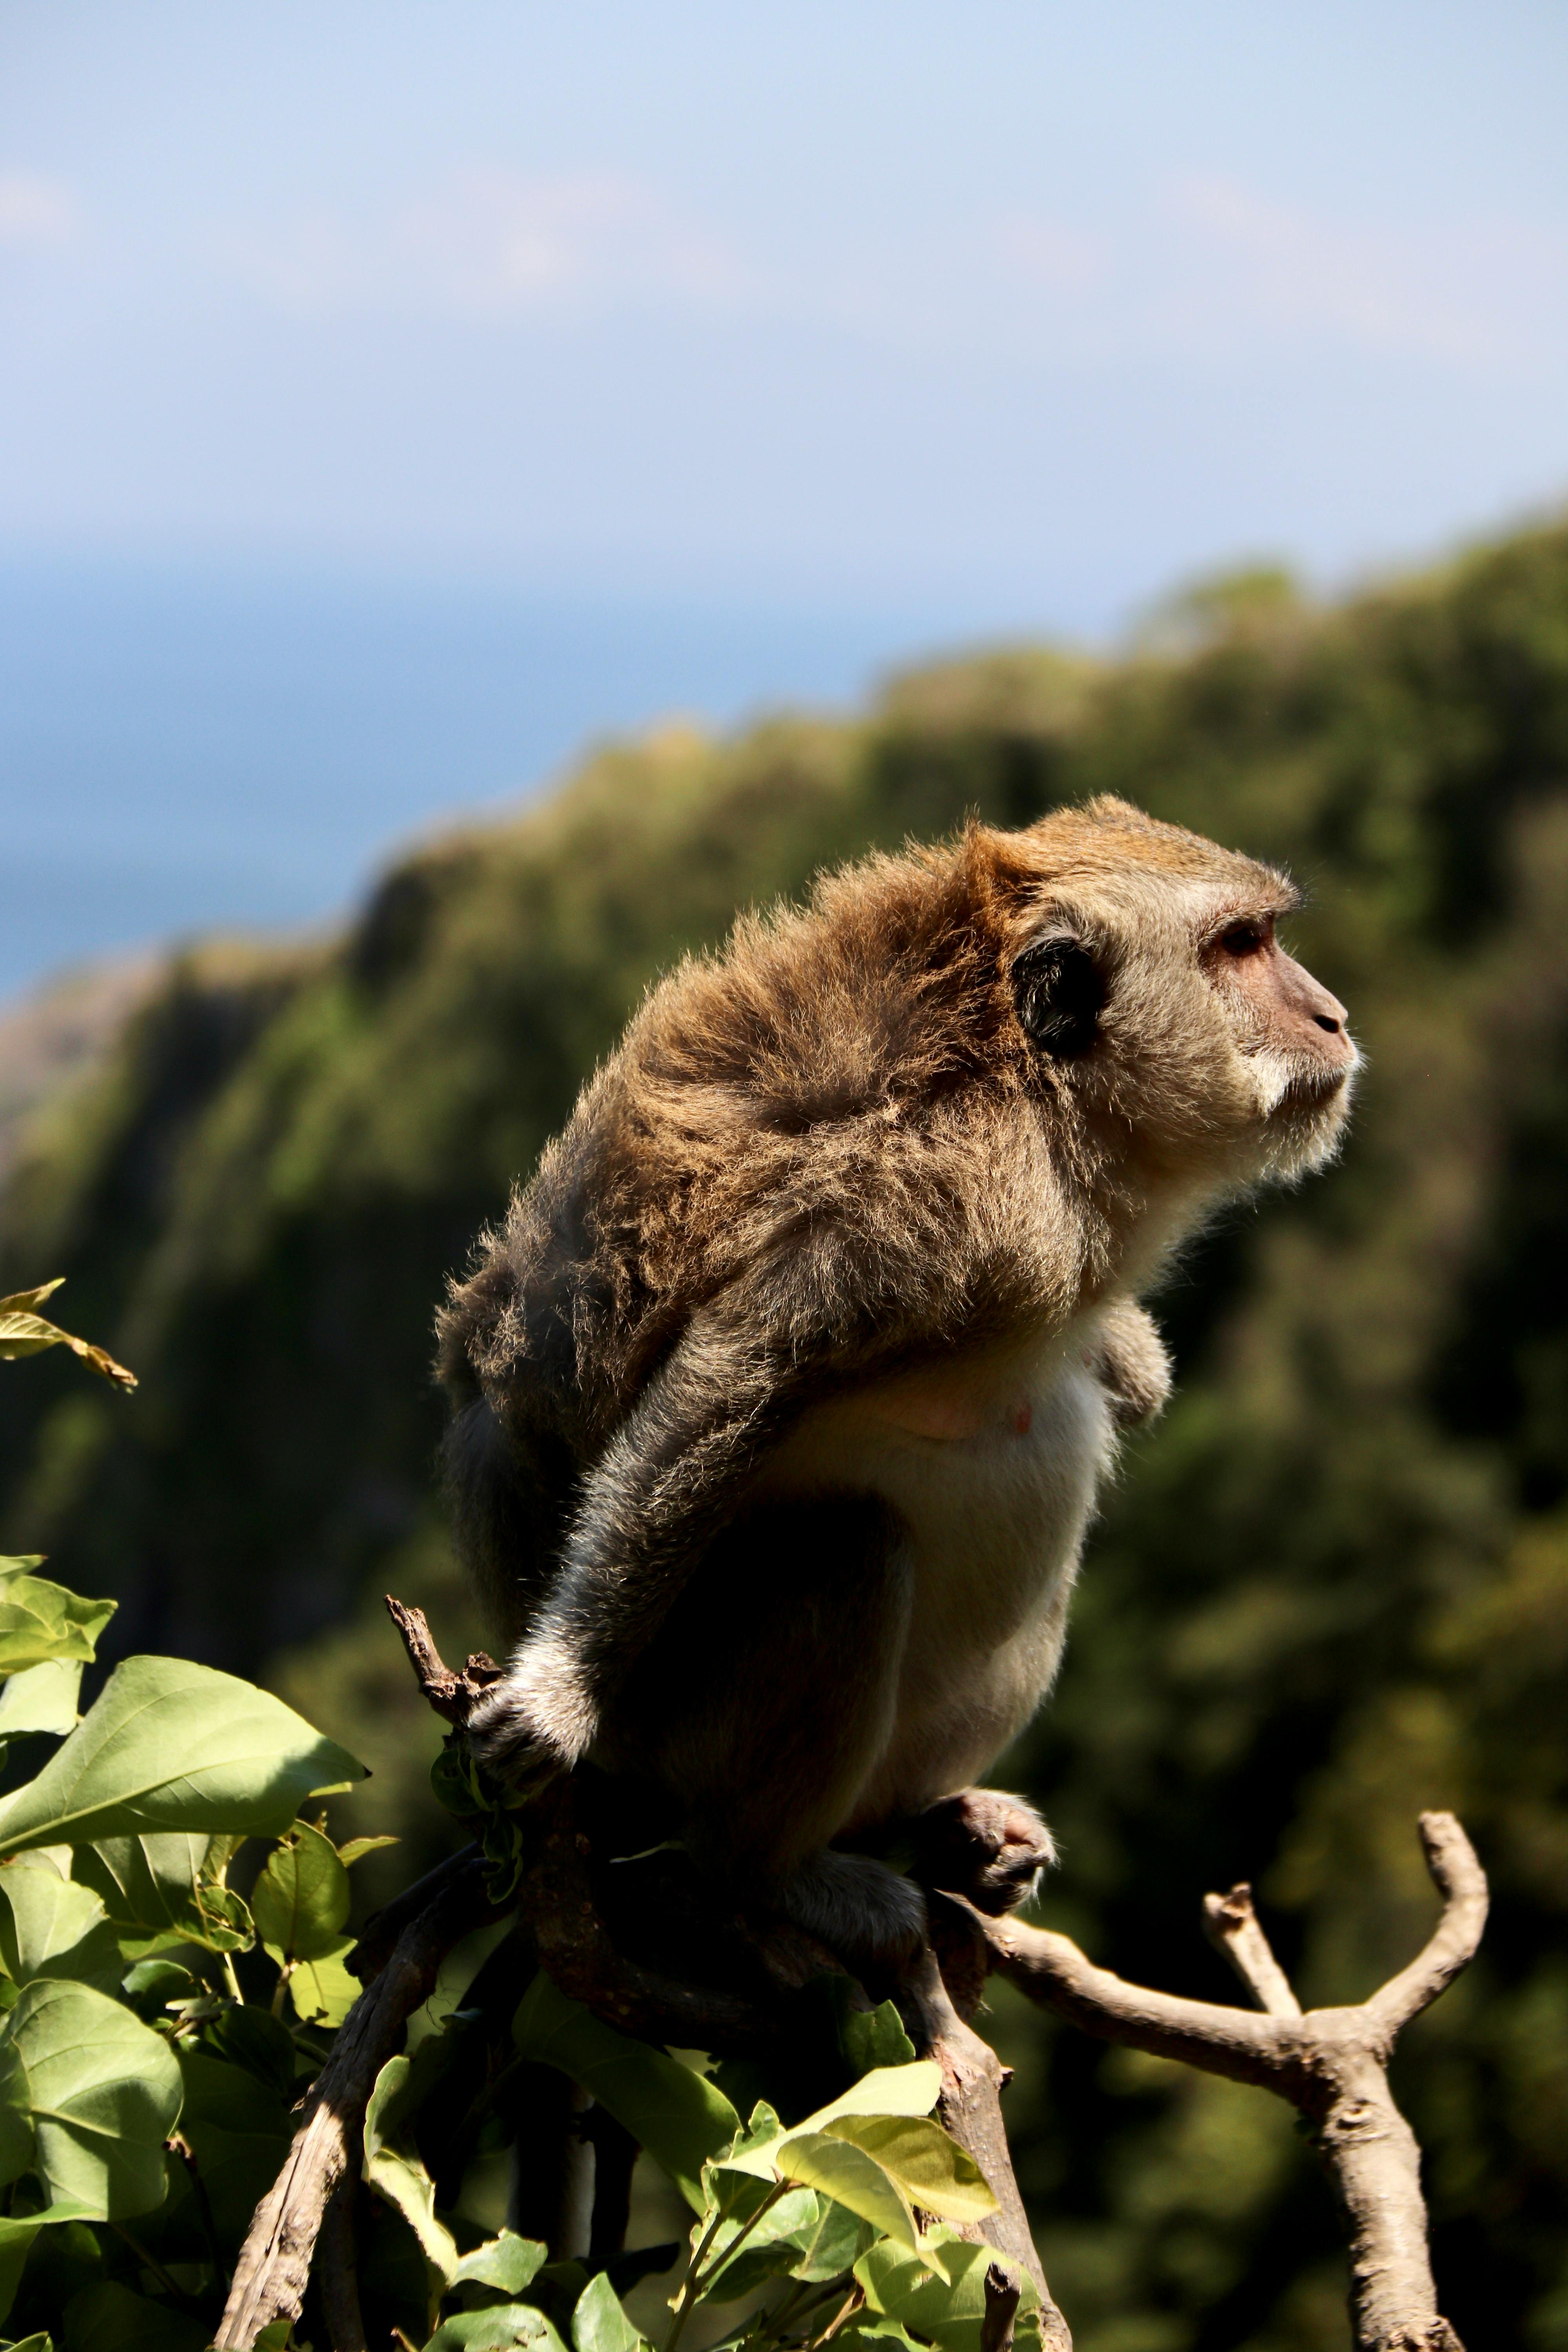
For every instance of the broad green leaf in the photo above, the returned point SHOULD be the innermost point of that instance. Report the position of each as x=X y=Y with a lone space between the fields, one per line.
x=910 y=2090
x=172 y=1746
x=87 y=2096
x=301 y=1901
x=17 y=2234
x=355 y=1849
x=239 y=2130
x=165 y=1889
x=24 y=1332
x=851 y=2177
x=680 y=2117
x=399 y=2176
x=931 y=2169
x=504 y=2328
x=874 y=2038
x=949 y=2311
x=40 y=1622
x=808 y=2236
x=252 y=2038
x=42 y=1698
x=150 y=1985
x=322 y=1989
x=110 y=2318
x=51 y=1927
x=599 y=2324
x=41 y=2342
x=508 y=2264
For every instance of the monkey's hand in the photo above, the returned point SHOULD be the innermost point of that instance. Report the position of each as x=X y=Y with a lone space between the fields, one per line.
x=520 y=1732
x=984 y=1845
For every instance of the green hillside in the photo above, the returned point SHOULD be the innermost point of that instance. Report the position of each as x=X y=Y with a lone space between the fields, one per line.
x=1330 y=1589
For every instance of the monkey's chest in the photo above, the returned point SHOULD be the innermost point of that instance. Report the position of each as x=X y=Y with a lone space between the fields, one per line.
x=993 y=1517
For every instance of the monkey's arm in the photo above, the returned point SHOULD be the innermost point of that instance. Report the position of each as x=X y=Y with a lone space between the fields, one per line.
x=666 y=1482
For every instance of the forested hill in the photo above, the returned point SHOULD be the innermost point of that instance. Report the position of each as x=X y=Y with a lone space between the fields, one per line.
x=1332 y=1588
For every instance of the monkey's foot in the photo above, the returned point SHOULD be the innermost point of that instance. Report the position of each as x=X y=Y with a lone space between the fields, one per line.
x=984 y=1845
x=857 y=1908
x=505 y=1742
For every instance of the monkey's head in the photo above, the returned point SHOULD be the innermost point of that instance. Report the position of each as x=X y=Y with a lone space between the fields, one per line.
x=1148 y=980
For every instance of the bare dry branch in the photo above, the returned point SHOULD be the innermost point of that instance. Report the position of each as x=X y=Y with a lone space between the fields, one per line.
x=1001 y=2309
x=1231 y=1927
x=1330 y=2063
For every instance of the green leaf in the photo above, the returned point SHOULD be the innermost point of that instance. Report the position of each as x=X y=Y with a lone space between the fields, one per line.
x=301 y=1901
x=931 y=2169
x=17 y=2231
x=808 y=2236
x=42 y=1698
x=874 y=2039
x=508 y=2264
x=322 y=1990
x=910 y=2090
x=680 y=2118
x=110 y=2318
x=599 y=2324
x=455 y=1975
x=239 y=2130
x=40 y=1620
x=152 y=1985
x=166 y=1889
x=24 y=1332
x=851 y=2177
x=261 y=2043
x=504 y=2328
x=51 y=1927
x=87 y=2096
x=355 y=1849
x=398 y=2176
x=947 y=2311
x=41 y=2342
x=172 y=1746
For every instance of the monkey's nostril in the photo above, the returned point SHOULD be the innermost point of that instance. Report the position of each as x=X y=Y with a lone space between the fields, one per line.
x=1324 y=1022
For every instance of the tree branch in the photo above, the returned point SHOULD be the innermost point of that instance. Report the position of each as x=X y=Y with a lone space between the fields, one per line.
x=1329 y=2064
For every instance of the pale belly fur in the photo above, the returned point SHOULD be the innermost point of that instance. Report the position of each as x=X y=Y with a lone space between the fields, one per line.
x=993 y=1463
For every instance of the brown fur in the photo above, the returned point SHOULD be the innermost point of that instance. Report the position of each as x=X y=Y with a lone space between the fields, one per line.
x=833 y=1161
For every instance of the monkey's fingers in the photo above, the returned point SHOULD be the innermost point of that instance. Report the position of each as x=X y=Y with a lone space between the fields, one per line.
x=506 y=1746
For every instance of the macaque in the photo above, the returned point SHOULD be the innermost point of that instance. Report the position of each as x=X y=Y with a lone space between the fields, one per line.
x=783 y=1393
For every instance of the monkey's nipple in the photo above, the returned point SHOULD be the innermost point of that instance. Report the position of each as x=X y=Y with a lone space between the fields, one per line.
x=1023 y=1419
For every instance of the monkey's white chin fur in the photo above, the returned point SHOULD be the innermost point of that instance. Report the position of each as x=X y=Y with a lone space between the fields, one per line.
x=1306 y=1111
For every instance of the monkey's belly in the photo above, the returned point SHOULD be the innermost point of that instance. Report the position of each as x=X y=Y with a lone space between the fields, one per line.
x=996 y=1520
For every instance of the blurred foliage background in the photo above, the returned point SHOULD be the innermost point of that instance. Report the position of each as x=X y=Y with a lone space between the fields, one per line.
x=1332 y=1588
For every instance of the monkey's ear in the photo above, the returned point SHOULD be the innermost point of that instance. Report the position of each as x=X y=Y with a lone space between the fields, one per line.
x=1059 y=993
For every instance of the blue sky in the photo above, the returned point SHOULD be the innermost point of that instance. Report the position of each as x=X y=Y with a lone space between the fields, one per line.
x=944 y=320
x=1015 y=306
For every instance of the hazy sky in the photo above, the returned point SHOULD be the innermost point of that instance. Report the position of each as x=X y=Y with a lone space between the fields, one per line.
x=1004 y=312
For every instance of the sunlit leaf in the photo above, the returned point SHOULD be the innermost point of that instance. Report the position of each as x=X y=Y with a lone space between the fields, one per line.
x=51 y=1927
x=598 y=2323
x=41 y=1621
x=808 y=2236
x=508 y=2264
x=24 y=1332
x=851 y=2177
x=87 y=2096
x=931 y=2169
x=163 y=1889
x=678 y=2116
x=322 y=1989
x=41 y=1698
x=354 y=1850
x=910 y=2090
x=947 y=2311
x=301 y=1901
x=397 y=2174
x=504 y=2328
x=172 y=1746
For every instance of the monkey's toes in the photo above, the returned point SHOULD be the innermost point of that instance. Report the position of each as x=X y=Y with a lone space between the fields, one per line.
x=984 y=1845
x=505 y=1743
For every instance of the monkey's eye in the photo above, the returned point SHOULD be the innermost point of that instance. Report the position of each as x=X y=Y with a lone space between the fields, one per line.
x=1245 y=938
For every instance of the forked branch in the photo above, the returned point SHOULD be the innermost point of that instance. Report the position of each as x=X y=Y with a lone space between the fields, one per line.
x=1329 y=2064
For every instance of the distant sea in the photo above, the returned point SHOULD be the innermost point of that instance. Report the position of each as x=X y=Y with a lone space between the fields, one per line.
x=184 y=749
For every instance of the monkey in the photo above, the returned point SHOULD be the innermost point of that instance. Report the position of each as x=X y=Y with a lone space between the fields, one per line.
x=782 y=1395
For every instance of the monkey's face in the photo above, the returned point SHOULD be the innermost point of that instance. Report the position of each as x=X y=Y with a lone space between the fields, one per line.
x=1152 y=982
